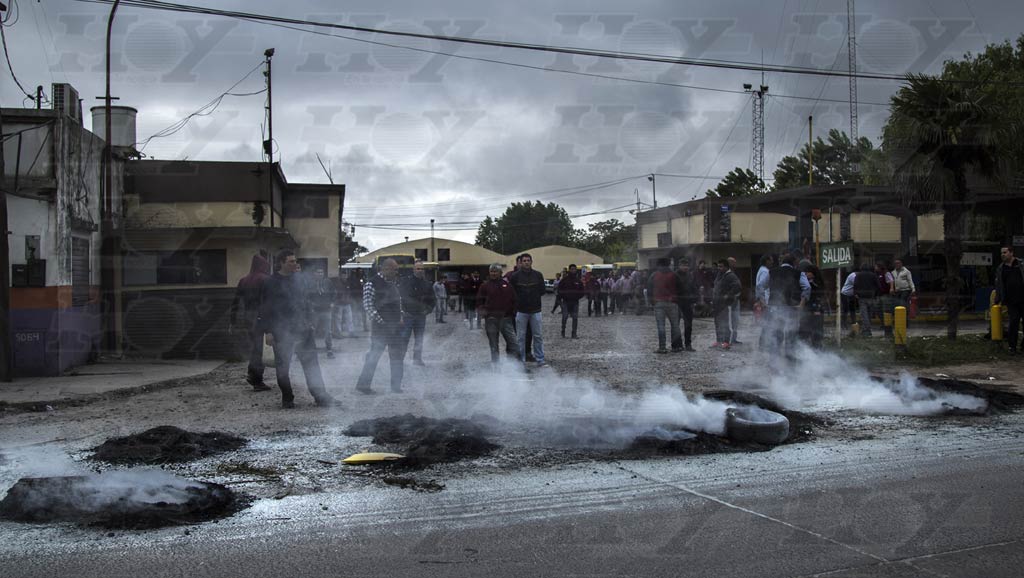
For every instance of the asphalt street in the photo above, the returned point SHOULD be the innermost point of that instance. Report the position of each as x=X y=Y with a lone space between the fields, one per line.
x=919 y=504
x=867 y=495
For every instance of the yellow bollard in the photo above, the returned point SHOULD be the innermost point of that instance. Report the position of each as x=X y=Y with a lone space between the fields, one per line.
x=899 y=330
x=997 y=323
x=887 y=319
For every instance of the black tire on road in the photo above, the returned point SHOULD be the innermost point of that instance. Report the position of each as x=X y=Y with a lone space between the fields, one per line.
x=754 y=424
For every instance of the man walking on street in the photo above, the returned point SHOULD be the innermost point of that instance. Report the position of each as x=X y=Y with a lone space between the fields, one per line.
x=788 y=291
x=570 y=291
x=417 y=301
x=472 y=287
x=382 y=301
x=686 y=298
x=1010 y=292
x=441 y=300
x=321 y=296
x=734 y=310
x=724 y=293
x=903 y=284
x=554 y=289
x=665 y=286
x=865 y=287
x=528 y=285
x=286 y=314
x=496 y=302
x=248 y=296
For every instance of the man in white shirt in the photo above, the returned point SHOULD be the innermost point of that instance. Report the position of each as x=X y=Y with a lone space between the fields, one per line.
x=903 y=283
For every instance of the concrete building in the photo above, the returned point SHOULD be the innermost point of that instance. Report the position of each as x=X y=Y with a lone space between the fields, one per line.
x=451 y=256
x=881 y=226
x=553 y=259
x=54 y=180
x=456 y=257
x=191 y=231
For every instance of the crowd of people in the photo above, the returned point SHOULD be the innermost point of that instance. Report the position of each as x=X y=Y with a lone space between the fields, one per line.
x=288 y=310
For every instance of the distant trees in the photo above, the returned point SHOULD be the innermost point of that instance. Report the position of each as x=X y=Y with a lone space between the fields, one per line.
x=524 y=225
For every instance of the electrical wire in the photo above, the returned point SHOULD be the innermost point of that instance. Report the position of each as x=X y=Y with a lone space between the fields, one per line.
x=205 y=110
x=7 y=56
x=722 y=64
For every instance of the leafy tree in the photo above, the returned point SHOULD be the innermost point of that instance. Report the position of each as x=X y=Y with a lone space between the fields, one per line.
x=524 y=225
x=998 y=70
x=834 y=161
x=937 y=133
x=613 y=240
x=488 y=236
x=738 y=183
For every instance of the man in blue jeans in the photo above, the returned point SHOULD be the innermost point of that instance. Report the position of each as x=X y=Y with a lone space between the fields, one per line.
x=528 y=285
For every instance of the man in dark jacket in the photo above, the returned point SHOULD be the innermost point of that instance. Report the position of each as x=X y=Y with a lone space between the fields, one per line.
x=865 y=287
x=496 y=303
x=570 y=291
x=286 y=314
x=724 y=294
x=321 y=298
x=685 y=300
x=248 y=297
x=664 y=287
x=788 y=291
x=1010 y=292
x=383 y=303
x=528 y=285
x=418 y=302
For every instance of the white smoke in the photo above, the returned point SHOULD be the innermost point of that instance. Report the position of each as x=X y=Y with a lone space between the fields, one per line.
x=819 y=380
x=574 y=411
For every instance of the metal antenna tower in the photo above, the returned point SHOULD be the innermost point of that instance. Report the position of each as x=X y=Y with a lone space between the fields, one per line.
x=851 y=43
x=757 y=145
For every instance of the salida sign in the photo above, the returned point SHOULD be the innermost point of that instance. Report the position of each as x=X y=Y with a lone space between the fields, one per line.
x=836 y=255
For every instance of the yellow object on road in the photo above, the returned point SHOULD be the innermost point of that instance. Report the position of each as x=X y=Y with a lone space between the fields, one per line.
x=371 y=458
x=899 y=331
x=997 y=323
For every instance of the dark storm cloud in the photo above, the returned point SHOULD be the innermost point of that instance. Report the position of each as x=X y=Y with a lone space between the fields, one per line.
x=404 y=128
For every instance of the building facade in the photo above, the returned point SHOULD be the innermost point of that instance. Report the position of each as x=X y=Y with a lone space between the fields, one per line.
x=54 y=180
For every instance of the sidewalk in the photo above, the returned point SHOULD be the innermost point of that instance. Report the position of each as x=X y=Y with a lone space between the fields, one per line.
x=99 y=378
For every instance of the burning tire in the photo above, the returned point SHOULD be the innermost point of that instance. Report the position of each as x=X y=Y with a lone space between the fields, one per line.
x=753 y=424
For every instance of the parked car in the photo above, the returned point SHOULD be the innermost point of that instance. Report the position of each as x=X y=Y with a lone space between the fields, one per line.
x=549 y=285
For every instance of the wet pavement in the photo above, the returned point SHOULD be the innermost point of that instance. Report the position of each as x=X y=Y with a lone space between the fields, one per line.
x=291 y=466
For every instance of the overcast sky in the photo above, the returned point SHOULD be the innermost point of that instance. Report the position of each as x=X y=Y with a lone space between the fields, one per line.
x=416 y=135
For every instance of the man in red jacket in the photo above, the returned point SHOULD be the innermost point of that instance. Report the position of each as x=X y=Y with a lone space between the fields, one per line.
x=496 y=303
x=570 y=291
x=248 y=297
x=665 y=286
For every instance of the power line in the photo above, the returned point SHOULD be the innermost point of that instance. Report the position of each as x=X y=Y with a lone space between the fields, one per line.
x=205 y=110
x=7 y=56
x=722 y=64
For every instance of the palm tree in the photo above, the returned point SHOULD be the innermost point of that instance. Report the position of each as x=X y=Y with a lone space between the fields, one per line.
x=937 y=133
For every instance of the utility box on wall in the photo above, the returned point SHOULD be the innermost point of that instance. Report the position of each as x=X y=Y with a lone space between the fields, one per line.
x=31 y=274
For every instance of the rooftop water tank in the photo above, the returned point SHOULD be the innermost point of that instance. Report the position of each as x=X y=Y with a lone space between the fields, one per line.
x=122 y=124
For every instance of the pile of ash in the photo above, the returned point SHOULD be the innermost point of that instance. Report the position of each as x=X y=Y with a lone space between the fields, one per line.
x=165 y=444
x=425 y=441
x=996 y=401
x=127 y=500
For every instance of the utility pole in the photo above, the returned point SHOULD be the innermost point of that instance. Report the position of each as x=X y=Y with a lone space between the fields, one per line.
x=268 y=145
x=810 y=151
x=757 y=143
x=5 y=263
x=851 y=44
x=6 y=356
x=654 y=190
x=39 y=97
x=637 y=225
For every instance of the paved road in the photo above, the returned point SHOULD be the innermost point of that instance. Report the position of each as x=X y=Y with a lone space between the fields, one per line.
x=937 y=501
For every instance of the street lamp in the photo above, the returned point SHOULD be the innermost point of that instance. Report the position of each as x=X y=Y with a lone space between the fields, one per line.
x=654 y=190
